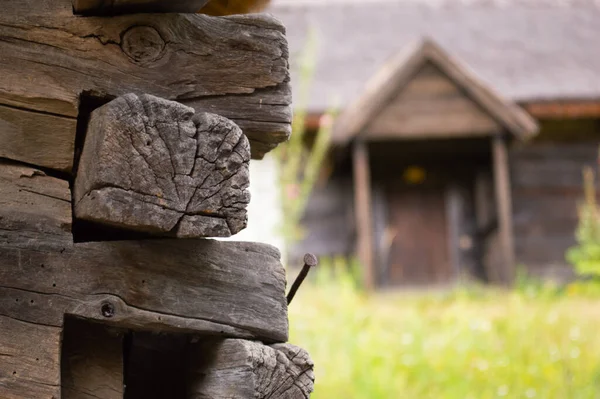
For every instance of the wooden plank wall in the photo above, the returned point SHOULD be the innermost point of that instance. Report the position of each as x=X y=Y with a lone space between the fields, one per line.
x=431 y=105
x=328 y=221
x=547 y=185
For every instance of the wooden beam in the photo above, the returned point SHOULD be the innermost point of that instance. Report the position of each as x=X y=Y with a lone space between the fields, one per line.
x=29 y=358
x=235 y=368
x=38 y=137
x=236 y=67
x=504 y=208
x=563 y=109
x=233 y=289
x=152 y=165
x=362 y=209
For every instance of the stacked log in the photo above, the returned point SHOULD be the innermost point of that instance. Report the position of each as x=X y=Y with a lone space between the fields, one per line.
x=124 y=147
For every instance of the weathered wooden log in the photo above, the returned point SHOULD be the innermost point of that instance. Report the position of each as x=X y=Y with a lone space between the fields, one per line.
x=95 y=364
x=112 y=7
x=234 y=289
x=203 y=287
x=239 y=369
x=151 y=165
x=236 y=67
x=29 y=359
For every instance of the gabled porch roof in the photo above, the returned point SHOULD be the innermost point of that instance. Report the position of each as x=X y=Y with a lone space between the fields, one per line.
x=399 y=71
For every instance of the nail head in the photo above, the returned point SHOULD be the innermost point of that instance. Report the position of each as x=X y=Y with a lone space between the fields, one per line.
x=310 y=260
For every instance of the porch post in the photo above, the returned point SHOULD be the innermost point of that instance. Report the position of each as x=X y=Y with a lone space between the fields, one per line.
x=362 y=210
x=504 y=209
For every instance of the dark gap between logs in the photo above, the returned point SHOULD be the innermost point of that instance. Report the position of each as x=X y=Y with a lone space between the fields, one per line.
x=131 y=364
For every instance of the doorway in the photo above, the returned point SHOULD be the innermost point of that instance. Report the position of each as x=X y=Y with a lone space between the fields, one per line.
x=418 y=253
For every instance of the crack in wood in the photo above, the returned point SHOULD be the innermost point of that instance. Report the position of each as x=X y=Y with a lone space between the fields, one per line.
x=237 y=368
x=152 y=166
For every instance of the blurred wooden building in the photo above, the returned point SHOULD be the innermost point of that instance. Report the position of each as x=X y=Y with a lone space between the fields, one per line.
x=464 y=130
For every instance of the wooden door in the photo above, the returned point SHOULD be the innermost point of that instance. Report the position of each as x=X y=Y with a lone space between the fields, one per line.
x=419 y=250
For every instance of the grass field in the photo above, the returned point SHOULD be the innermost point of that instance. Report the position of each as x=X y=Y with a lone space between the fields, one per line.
x=465 y=343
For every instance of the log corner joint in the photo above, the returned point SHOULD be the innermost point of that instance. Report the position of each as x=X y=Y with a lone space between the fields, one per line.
x=155 y=166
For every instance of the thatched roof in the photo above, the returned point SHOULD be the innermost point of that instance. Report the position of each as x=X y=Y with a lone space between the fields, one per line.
x=526 y=50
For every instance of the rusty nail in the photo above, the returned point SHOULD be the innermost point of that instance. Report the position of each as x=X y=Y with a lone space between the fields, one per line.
x=310 y=260
x=108 y=310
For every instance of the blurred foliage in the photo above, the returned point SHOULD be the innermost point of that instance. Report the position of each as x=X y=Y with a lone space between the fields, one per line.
x=299 y=164
x=538 y=340
x=585 y=256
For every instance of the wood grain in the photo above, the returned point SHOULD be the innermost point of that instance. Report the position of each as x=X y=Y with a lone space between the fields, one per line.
x=28 y=135
x=234 y=289
x=29 y=365
x=240 y=62
x=239 y=369
x=151 y=165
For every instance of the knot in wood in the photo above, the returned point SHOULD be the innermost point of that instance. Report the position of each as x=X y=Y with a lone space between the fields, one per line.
x=142 y=44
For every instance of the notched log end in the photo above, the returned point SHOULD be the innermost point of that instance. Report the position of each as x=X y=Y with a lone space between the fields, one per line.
x=299 y=367
x=152 y=165
x=241 y=369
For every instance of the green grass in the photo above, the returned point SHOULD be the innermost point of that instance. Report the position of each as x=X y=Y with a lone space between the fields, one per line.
x=466 y=343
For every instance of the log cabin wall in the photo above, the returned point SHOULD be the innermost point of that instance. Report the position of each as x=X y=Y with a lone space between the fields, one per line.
x=86 y=101
x=328 y=220
x=547 y=184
